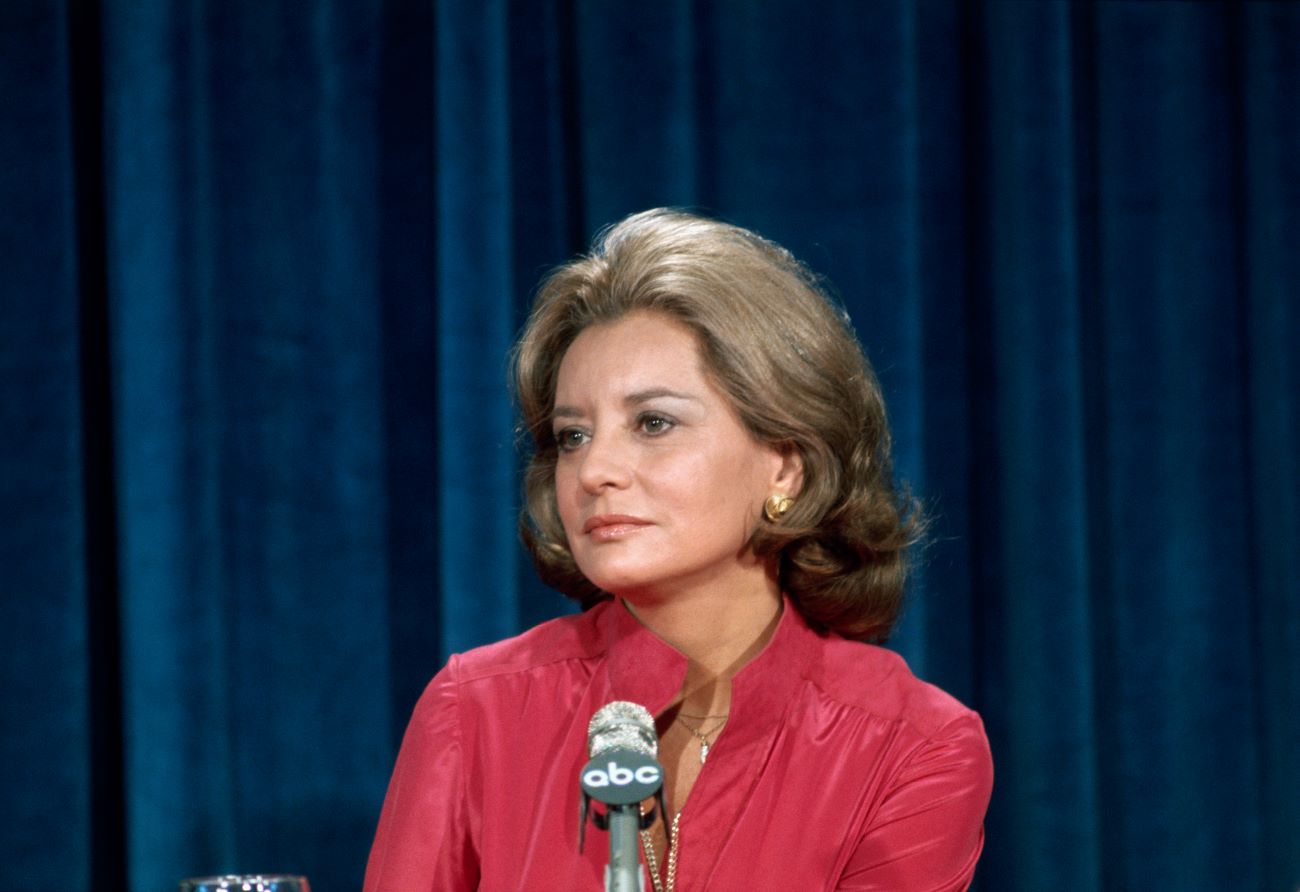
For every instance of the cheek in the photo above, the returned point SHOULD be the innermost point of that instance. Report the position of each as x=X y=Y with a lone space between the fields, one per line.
x=565 y=498
x=715 y=486
x=738 y=486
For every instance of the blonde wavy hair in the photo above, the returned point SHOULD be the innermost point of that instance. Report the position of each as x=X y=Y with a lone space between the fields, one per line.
x=788 y=361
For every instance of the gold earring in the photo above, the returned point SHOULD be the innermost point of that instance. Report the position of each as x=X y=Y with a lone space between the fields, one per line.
x=776 y=506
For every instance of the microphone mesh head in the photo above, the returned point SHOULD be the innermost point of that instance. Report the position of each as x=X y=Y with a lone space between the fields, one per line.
x=622 y=725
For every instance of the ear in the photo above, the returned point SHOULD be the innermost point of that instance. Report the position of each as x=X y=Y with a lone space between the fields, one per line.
x=787 y=469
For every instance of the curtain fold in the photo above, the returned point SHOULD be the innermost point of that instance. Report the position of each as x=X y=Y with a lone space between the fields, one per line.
x=45 y=750
x=1035 y=555
x=1064 y=233
x=241 y=181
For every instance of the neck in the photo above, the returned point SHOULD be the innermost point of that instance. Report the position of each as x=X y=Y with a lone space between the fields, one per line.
x=718 y=632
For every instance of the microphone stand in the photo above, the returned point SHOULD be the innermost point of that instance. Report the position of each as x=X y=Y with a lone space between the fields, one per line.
x=623 y=873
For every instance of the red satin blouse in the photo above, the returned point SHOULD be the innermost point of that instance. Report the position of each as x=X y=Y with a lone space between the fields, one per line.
x=837 y=769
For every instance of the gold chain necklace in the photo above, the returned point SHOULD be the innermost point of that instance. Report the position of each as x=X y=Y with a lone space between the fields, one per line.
x=666 y=884
x=647 y=845
x=701 y=735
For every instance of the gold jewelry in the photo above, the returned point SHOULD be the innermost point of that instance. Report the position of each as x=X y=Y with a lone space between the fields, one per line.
x=701 y=735
x=651 y=862
x=776 y=506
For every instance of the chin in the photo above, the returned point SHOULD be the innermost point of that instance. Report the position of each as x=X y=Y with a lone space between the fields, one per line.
x=620 y=581
x=620 y=585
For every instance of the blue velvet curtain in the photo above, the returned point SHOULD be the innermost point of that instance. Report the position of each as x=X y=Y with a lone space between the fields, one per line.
x=261 y=264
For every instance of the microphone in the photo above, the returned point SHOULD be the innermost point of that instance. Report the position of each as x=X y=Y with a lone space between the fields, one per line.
x=622 y=772
x=622 y=725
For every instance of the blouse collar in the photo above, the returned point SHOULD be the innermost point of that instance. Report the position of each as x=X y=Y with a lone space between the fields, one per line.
x=645 y=669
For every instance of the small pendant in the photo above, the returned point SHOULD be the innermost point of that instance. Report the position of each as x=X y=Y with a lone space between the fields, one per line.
x=704 y=751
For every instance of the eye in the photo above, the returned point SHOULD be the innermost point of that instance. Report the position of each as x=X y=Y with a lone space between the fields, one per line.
x=570 y=438
x=654 y=424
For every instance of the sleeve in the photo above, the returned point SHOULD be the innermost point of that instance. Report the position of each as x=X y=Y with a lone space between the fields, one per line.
x=425 y=839
x=929 y=830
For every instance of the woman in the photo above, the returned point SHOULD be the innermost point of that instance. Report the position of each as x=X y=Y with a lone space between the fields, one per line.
x=711 y=478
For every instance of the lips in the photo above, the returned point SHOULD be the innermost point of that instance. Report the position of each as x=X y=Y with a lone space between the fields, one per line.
x=608 y=526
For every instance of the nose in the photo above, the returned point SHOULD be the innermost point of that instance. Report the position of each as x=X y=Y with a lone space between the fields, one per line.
x=603 y=464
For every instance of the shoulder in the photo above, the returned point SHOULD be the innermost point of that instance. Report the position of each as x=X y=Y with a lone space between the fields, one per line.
x=930 y=774
x=495 y=676
x=555 y=642
x=879 y=681
x=934 y=738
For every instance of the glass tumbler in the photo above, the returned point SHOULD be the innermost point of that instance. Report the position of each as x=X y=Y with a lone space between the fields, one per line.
x=252 y=882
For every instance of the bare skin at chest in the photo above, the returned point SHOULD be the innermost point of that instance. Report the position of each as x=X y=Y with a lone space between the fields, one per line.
x=679 y=753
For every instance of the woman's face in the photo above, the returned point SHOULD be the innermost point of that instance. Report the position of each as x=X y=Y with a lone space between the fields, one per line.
x=659 y=485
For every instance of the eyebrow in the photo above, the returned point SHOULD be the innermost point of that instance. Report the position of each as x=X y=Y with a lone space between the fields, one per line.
x=632 y=399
